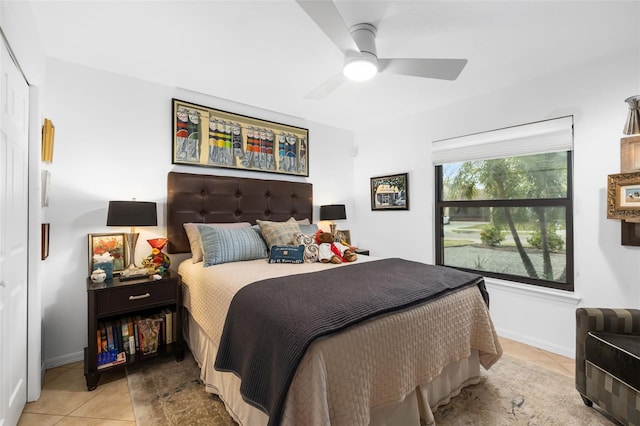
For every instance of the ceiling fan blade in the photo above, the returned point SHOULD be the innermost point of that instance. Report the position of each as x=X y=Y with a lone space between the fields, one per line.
x=326 y=16
x=443 y=69
x=325 y=88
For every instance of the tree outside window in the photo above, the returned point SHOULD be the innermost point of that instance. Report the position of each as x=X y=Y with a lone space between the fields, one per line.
x=508 y=218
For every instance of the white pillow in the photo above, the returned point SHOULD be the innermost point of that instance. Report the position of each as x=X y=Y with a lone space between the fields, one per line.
x=194 y=236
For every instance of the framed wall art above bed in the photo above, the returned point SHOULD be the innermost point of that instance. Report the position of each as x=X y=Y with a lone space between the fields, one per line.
x=208 y=137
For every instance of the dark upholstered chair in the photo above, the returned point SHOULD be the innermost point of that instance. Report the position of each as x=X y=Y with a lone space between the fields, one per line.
x=608 y=361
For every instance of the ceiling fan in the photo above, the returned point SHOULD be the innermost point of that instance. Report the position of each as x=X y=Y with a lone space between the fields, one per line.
x=361 y=61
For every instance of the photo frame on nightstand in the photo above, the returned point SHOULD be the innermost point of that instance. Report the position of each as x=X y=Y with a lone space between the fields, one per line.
x=114 y=244
x=344 y=235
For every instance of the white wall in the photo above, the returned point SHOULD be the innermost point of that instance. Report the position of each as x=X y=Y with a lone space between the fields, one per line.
x=113 y=142
x=606 y=273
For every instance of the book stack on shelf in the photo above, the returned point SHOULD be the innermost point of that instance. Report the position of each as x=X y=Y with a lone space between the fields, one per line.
x=119 y=339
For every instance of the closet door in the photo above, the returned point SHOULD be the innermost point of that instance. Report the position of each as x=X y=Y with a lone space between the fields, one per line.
x=14 y=107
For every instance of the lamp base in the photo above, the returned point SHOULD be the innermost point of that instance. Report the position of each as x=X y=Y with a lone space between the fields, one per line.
x=132 y=272
x=332 y=229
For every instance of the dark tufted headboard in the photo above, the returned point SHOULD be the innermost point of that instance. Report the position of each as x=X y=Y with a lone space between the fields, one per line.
x=222 y=199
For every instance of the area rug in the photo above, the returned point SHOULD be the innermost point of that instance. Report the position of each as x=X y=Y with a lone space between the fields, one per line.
x=513 y=392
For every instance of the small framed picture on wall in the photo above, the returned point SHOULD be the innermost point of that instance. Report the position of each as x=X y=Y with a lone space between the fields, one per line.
x=623 y=196
x=390 y=192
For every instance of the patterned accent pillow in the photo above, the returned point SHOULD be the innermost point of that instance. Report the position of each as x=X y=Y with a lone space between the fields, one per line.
x=286 y=254
x=222 y=245
x=278 y=233
x=310 y=246
x=193 y=234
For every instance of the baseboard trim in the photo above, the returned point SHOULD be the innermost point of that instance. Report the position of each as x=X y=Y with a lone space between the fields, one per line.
x=64 y=359
x=550 y=347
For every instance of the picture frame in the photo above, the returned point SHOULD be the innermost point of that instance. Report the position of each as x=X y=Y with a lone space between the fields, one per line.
x=623 y=196
x=44 y=241
x=46 y=184
x=344 y=235
x=48 y=133
x=114 y=243
x=390 y=192
x=209 y=137
x=630 y=154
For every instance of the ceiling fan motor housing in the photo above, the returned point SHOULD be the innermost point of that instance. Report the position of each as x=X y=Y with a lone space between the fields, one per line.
x=363 y=65
x=365 y=37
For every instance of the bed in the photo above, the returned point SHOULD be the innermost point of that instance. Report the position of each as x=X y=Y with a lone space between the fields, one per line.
x=391 y=369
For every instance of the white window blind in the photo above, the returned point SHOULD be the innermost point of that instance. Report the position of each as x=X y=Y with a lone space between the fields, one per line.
x=535 y=138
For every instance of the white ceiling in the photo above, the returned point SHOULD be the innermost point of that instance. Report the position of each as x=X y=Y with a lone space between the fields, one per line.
x=270 y=53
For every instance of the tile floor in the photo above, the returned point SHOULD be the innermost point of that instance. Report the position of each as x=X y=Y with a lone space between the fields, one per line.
x=65 y=400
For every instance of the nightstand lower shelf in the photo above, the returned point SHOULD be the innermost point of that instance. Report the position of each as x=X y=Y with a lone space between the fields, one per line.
x=92 y=377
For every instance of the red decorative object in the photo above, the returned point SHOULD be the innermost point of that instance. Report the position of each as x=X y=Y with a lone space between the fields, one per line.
x=157 y=260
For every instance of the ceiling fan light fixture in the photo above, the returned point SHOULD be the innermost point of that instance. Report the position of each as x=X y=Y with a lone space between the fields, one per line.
x=361 y=68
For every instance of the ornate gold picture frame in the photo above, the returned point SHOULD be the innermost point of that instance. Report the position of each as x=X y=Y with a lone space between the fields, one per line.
x=623 y=196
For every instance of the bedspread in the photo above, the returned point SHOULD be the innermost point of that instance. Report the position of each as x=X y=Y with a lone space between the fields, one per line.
x=289 y=313
x=342 y=378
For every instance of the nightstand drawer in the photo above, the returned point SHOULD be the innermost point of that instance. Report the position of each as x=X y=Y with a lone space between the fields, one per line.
x=135 y=297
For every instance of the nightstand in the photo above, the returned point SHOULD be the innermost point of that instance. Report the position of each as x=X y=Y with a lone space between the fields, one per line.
x=118 y=302
x=362 y=251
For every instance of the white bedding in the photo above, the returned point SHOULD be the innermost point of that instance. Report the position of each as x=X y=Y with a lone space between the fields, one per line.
x=401 y=364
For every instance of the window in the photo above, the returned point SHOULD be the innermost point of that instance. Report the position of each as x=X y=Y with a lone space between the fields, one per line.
x=505 y=207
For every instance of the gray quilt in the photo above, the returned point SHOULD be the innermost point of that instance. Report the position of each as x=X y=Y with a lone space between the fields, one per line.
x=271 y=323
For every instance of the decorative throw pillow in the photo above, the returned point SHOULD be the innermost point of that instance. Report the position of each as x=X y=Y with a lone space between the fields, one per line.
x=222 y=245
x=193 y=234
x=310 y=246
x=286 y=254
x=308 y=229
x=278 y=233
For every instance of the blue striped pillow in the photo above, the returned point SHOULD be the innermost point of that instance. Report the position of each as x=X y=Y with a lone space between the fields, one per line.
x=222 y=245
x=310 y=229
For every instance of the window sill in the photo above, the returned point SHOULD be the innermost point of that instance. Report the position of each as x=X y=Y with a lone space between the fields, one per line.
x=535 y=291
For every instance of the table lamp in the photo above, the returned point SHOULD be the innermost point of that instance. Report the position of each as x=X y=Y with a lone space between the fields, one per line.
x=333 y=212
x=132 y=213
